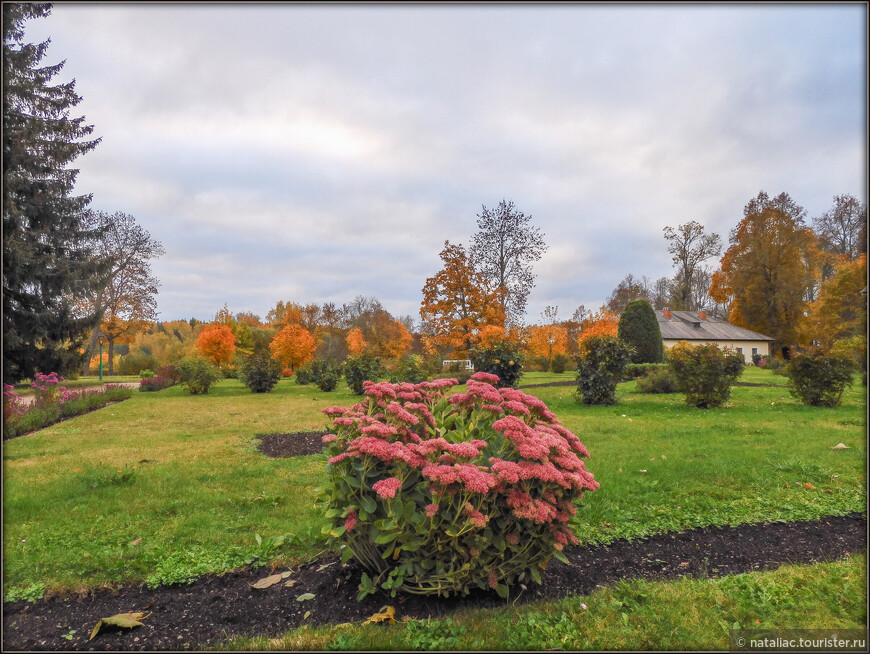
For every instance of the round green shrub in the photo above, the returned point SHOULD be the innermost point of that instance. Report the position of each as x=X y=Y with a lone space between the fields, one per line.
x=413 y=370
x=705 y=373
x=639 y=328
x=198 y=374
x=438 y=496
x=325 y=373
x=260 y=372
x=601 y=364
x=504 y=360
x=146 y=374
x=363 y=368
x=819 y=379
x=304 y=374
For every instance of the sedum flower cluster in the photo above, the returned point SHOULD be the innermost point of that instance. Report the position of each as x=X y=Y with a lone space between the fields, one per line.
x=438 y=494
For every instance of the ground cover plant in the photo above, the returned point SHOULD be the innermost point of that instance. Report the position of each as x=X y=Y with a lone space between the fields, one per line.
x=201 y=496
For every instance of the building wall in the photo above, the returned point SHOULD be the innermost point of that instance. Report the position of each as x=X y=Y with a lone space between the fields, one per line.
x=763 y=347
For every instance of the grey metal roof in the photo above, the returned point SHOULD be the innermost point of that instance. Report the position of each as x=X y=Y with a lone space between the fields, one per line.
x=687 y=326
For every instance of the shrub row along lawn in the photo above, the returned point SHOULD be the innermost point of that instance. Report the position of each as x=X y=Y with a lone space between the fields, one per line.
x=166 y=486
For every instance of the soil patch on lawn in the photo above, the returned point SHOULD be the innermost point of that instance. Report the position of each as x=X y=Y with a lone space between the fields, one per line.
x=574 y=383
x=215 y=608
x=287 y=445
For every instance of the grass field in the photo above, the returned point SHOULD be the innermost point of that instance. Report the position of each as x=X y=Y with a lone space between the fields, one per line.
x=166 y=486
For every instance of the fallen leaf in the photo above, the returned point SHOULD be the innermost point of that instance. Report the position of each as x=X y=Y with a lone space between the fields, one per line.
x=841 y=446
x=265 y=582
x=125 y=620
x=325 y=566
x=684 y=564
x=136 y=542
x=809 y=486
x=307 y=613
x=304 y=597
x=290 y=583
x=286 y=574
x=386 y=614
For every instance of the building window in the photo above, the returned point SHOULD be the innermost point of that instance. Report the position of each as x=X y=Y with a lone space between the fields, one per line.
x=740 y=349
x=755 y=350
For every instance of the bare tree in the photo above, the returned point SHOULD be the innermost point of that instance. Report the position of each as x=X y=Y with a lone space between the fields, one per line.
x=661 y=293
x=842 y=230
x=630 y=288
x=689 y=247
x=127 y=300
x=504 y=250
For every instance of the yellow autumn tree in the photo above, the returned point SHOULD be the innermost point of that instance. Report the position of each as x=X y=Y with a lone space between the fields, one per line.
x=840 y=311
x=547 y=341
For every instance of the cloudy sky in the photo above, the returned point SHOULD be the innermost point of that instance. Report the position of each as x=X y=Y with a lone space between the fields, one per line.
x=314 y=153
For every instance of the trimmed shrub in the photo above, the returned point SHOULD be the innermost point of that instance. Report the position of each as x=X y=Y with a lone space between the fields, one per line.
x=819 y=379
x=325 y=373
x=657 y=380
x=504 y=360
x=602 y=361
x=146 y=374
x=774 y=364
x=439 y=496
x=198 y=374
x=560 y=363
x=639 y=328
x=260 y=372
x=704 y=373
x=358 y=370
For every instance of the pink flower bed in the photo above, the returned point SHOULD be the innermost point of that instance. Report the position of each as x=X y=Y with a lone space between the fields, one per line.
x=438 y=495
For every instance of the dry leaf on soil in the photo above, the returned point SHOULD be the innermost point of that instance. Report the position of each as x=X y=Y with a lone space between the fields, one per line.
x=387 y=614
x=125 y=620
x=265 y=582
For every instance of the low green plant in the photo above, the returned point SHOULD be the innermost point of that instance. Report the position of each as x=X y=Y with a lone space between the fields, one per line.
x=437 y=496
x=360 y=369
x=147 y=374
x=437 y=635
x=198 y=374
x=412 y=370
x=637 y=370
x=704 y=373
x=657 y=380
x=602 y=361
x=819 y=379
x=260 y=372
x=560 y=363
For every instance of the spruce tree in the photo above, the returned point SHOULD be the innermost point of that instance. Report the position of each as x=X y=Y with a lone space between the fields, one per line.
x=48 y=258
x=639 y=328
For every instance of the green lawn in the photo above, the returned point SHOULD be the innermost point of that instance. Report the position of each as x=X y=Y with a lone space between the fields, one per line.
x=167 y=486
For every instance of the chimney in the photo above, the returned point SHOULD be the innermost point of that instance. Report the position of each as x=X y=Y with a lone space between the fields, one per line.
x=667 y=312
x=702 y=315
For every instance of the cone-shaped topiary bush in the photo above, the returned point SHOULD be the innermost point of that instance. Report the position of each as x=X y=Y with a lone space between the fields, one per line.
x=639 y=328
x=438 y=496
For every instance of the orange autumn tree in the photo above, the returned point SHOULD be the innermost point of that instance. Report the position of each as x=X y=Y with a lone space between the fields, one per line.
x=217 y=344
x=602 y=323
x=356 y=342
x=388 y=338
x=293 y=346
x=457 y=303
x=546 y=341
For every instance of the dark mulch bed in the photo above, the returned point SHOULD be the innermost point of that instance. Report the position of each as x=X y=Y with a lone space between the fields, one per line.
x=574 y=383
x=296 y=444
x=215 y=608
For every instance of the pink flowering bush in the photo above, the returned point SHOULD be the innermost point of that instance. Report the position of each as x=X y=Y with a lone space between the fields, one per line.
x=439 y=495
